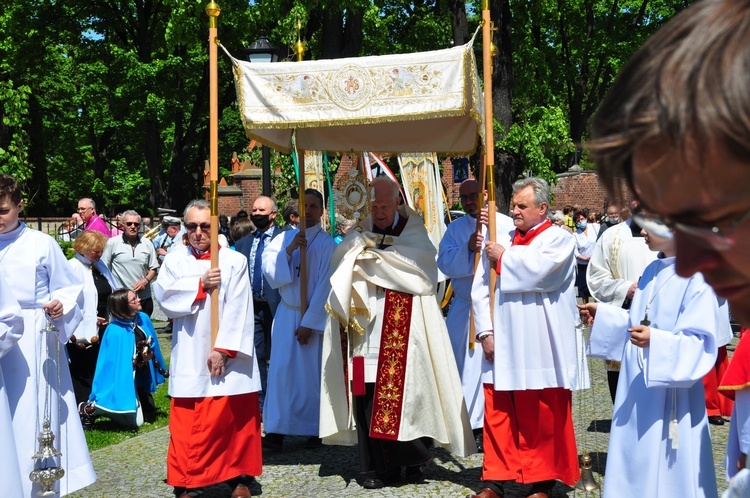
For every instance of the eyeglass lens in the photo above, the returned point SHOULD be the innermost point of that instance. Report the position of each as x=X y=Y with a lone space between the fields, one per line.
x=192 y=227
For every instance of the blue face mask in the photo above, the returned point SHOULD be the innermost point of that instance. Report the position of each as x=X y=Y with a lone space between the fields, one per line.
x=581 y=225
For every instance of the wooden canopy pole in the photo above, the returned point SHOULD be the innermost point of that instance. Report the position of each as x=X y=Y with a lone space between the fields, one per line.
x=213 y=10
x=477 y=254
x=489 y=146
x=299 y=49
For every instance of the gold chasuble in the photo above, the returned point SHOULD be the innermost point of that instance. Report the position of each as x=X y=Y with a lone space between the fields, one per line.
x=383 y=291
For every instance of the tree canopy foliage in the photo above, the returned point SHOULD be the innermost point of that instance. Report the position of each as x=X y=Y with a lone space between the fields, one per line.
x=109 y=99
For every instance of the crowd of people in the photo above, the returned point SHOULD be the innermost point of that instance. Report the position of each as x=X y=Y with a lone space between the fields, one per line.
x=344 y=343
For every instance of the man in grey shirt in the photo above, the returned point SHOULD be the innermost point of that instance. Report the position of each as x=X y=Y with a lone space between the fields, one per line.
x=132 y=260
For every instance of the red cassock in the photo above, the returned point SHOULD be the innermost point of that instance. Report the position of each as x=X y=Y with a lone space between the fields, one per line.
x=213 y=439
x=529 y=436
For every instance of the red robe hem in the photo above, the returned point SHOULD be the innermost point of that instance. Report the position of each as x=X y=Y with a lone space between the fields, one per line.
x=213 y=439
x=529 y=436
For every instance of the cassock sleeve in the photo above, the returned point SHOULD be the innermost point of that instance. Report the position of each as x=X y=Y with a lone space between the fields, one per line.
x=277 y=266
x=602 y=284
x=237 y=315
x=542 y=266
x=176 y=291
x=681 y=357
x=316 y=316
x=66 y=287
x=11 y=319
x=480 y=296
x=454 y=257
x=609 y=334
x=741 y=418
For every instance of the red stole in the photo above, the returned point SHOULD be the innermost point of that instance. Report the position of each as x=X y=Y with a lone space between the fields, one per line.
x=388 y=401
x=524 y=239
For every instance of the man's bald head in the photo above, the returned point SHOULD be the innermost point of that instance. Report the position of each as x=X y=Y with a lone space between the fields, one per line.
x=383 y=208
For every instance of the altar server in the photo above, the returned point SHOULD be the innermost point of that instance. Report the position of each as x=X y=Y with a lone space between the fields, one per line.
x=292 y=405
x=666 y=342
x=44 y=285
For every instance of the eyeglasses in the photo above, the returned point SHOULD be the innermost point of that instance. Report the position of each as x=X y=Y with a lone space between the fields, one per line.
x=81 y=210
x=712 y=237
x=469 y=197
x=132 y=224
x=134 y=300
x=192 y=227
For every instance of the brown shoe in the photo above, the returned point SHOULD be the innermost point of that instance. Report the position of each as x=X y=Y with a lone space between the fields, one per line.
x=485 y=493
x=241 y=491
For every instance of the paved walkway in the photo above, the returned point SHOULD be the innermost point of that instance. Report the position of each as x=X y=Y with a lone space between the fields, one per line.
x=136 y=467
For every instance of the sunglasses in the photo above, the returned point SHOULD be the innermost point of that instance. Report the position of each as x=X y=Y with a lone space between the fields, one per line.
x=469 y=197
x=192 y=227
x=132 y=224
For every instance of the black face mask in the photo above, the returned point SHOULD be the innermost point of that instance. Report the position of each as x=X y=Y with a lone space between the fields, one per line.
x=261 y=221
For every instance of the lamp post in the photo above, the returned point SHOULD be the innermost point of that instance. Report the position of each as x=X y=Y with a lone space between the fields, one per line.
x=263 y=51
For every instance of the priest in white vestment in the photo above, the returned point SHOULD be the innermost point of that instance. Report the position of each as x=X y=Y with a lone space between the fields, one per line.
x=388 y=370
x=292 y=405
x=456 y=260
x=666 y=342
x=530 y=343
x=44 y=285
x=214 y=420
x=11 y=329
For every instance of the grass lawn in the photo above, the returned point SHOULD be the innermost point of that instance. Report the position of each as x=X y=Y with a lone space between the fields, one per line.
x=106 y=432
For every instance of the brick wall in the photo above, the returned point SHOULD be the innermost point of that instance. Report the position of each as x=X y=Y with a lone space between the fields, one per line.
x=581 y=189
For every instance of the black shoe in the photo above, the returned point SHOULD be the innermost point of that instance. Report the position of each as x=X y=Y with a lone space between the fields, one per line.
x=181 y=492
x=313 y=442
x=414 y=473
x=373 y=483
x=716 y=420
x=273 y=441
x=382 y=479
x=479 y=440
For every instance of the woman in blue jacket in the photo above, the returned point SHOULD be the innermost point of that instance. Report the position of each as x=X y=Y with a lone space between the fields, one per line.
x=129 y=368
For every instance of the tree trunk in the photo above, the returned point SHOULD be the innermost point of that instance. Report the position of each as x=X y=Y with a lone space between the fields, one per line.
x=38 y=184
x=507 y=165
x=459 y=22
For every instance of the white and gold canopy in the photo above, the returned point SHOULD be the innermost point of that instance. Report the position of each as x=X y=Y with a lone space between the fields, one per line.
x=421 y=102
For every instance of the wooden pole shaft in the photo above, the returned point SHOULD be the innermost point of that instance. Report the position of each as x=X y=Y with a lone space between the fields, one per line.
x=213 y=105
x=302 y=250
x=489 y=135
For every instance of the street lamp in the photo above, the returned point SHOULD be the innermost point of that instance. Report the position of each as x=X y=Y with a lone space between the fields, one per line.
x=263 y=51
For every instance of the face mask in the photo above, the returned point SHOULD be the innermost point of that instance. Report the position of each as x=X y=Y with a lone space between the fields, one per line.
x=614 y=219
x=261 y=221
x=581 y=225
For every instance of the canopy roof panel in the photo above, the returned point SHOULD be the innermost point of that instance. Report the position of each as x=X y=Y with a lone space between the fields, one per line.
x=420 y=102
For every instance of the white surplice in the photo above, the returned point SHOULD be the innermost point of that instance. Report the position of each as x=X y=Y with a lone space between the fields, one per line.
x=456 y=261
x=660 y=389
x=175 y=290
x=618 y=261
x=292 y=404
x=11 y=329
x=535 y=314
x=433 y=404
x=36 y=270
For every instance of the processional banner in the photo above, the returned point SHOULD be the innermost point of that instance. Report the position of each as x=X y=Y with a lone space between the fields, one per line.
x=365 y=103
x=420 y=174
